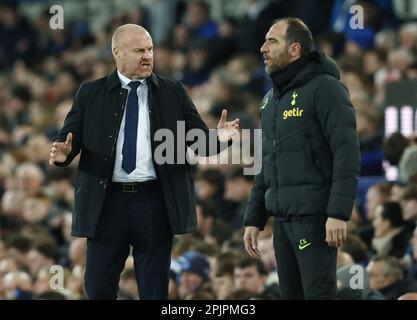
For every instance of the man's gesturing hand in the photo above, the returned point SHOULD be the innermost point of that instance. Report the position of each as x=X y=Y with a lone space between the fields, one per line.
x=335 y=232
x=227 y=130
x=60 y=150
x=251 y=241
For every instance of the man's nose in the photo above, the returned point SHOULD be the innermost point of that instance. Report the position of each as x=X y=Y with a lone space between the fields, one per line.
x=147 y=55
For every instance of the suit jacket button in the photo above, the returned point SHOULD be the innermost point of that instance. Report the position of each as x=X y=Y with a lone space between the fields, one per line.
x=110 y=136
x=101 y=181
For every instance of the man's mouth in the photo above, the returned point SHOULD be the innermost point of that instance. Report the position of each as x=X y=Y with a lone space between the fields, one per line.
x=146 y=65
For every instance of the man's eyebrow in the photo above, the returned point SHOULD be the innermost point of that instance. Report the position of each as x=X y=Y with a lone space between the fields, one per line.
x=143 y=48
x=271 y=39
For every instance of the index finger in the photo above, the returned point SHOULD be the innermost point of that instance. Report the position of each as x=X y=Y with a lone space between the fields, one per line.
x=223 y=115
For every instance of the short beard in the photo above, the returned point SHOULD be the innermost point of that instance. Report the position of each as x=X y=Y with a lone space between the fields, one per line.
x=280 y=63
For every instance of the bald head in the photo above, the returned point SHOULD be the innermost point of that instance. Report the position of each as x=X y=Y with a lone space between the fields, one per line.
x=132 y=50
x=125 y=31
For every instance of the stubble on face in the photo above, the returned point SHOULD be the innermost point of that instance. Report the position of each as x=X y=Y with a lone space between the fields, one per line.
x=275 y=48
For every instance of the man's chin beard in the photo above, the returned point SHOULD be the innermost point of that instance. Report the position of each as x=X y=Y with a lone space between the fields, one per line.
x=272 y=69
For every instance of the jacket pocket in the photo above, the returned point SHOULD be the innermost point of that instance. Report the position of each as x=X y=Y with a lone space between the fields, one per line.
x=313 y=161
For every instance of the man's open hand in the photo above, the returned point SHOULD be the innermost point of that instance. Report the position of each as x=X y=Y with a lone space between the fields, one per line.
x=60 y=150
x=227 y=130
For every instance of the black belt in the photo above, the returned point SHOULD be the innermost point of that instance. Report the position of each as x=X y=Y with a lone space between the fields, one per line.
x=134 y=186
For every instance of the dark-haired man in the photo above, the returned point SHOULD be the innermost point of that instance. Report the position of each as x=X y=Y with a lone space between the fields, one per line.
x=310 y=163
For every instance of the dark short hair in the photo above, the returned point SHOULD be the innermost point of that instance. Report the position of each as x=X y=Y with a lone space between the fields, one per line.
x=48 y=249
x=224 y=268
x=211 y=176
x=394 y=147
x=19 y=242
x=392 y=211
x=208 y=208
x=248 y=262
x=297 y=31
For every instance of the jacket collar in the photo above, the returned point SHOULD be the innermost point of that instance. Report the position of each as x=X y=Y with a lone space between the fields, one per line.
x=114 y=82
x=284 y=77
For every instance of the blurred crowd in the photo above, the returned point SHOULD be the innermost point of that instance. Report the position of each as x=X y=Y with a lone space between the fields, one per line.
x=218 y=61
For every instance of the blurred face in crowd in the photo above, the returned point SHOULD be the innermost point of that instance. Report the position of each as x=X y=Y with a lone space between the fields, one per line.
x=37 y=261
x=409 y=207
x=378 y=276
x=373 y=199
x=190 y=281
x=16 y=280
x=196 y=14
x=29 y=178
x=205 y=190
x=249 y=279
x=65 y=85
x=6 y=266
x=223 y=286
x=37 y=148
x=133 y=51
x=12 y=203
x=163 y=61
x=35 y=210
x=277 y=53
x=371 y=63
x=396 y=193
x=381 y=226
x=237 y=189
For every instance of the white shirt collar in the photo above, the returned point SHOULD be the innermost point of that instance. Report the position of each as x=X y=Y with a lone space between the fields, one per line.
x=125 y=80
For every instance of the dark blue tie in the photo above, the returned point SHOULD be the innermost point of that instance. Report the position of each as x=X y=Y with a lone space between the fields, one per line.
x=131 y=128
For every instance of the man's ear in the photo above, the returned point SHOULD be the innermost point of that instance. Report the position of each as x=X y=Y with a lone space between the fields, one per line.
x=294 y=50
x=116 y=53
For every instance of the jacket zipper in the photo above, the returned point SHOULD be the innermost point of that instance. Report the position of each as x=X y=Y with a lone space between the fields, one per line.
x=274 y=156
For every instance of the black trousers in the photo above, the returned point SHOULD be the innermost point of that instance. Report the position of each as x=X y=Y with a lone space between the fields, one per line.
x=306 y=264
x=138 y=219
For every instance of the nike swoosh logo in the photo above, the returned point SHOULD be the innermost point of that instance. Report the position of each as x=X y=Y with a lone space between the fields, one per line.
x=302 y=247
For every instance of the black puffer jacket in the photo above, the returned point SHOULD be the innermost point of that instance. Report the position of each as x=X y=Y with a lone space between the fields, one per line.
x=311 y=158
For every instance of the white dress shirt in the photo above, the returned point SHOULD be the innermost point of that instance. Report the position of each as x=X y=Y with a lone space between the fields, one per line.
x=144 y=166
